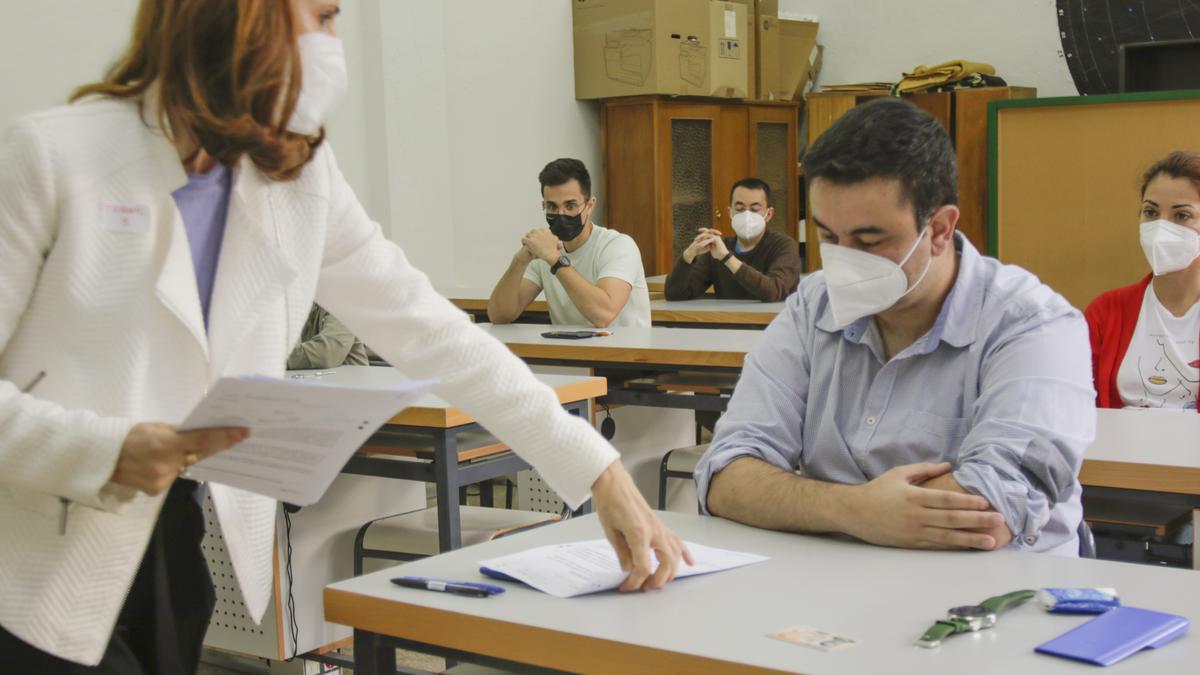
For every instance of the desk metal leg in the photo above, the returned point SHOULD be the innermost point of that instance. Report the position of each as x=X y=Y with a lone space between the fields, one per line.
x=373 y=655
x=445 y=469
x=581 y=409
x=1196 y=539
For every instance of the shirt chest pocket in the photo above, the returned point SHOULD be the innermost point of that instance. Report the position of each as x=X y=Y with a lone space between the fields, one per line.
x=939 y=435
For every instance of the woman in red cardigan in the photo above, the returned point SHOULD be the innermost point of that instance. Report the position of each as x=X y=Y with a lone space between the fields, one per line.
x=1146 y=337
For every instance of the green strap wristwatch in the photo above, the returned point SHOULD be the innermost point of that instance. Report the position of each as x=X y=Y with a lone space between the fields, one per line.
x=971 y=618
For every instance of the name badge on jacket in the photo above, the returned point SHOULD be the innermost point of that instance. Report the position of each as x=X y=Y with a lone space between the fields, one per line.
x=125 y=218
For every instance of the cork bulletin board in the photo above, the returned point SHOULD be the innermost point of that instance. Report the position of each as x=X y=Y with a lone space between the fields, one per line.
x=1063 y=183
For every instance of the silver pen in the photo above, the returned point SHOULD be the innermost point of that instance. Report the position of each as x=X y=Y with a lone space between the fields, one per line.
x=66 y=503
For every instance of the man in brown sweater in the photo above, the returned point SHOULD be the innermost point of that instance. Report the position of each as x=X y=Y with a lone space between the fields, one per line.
x=756 y=264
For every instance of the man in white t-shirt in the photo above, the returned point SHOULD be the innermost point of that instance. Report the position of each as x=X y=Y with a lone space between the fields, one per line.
x=592 y=276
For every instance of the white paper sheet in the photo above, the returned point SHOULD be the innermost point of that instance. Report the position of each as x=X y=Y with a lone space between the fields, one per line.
x=578 y=568
x=302 y=432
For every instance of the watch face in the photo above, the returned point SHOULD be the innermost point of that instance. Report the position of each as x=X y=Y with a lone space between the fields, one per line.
x=969 y=612
x=976 y=617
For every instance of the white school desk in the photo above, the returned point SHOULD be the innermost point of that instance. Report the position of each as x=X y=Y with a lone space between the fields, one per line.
x=698 y=313
x=474 y=301
x=656 y=346
x=1145 y=450
x=657 y=283
x=886 y=598
x=1147 y=456
x=714 y=313
x=436 y=425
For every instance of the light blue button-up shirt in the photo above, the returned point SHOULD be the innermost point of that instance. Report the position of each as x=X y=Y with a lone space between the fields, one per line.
x=1000 y=387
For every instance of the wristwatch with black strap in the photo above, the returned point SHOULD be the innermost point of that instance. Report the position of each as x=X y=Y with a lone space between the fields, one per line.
x=971 y=618
x=564 y=261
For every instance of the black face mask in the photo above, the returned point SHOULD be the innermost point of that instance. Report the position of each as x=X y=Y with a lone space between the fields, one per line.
x=565 y=227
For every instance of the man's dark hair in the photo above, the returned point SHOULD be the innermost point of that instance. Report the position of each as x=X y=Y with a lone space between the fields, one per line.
x=751 y=183
x=889 y=138
x=560 y=171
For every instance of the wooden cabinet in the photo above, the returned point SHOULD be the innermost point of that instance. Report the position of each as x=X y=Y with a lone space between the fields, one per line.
x=964 y=113
x=669 y=164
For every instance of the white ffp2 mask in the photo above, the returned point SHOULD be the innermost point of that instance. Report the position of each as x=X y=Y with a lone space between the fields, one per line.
x=1169 y=247
x=323 y=84
x=862 y=284
x=748 y=225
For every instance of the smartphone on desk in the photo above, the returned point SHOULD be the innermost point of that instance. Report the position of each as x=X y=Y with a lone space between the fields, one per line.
x=575 y=334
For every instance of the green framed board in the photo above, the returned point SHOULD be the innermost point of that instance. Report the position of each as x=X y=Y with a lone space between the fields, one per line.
x=1063 y=179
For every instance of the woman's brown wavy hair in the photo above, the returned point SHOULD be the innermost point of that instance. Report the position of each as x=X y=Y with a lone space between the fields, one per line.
x=225 y=72
x=1179 y=164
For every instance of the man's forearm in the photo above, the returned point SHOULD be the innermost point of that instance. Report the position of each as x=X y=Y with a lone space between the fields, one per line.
x=763 y=286
x=753 y=492
x=1002 y=534
x=591 y=301
x=504 y=303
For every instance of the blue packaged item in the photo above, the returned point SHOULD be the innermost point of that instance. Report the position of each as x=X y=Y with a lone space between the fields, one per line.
x=1115 y=635
x=1078 y=600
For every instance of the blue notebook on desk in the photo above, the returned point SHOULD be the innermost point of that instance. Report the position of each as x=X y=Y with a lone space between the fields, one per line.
x=1116 y=634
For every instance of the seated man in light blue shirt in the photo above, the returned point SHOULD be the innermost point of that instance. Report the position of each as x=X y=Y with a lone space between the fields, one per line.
x=914 y=393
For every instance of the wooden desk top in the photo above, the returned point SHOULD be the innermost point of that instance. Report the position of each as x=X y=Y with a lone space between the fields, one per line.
x=1144 y=450
x=719 y=623
x=659 y=346
x=432 y=411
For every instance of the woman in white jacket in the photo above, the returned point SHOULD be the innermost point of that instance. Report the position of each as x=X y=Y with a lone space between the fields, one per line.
x=172 y=226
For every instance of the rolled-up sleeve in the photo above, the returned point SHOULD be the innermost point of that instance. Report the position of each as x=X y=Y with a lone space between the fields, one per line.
x=765 y=417
x=1034 y=418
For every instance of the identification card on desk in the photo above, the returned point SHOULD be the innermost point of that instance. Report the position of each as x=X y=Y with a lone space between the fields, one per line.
x=302 y=432
x=814 y=638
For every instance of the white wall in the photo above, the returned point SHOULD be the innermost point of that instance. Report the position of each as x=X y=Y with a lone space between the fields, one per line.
x=454 y=107
x=456 y=104
x=477 y=97
x=876 y=41
x=50 y=47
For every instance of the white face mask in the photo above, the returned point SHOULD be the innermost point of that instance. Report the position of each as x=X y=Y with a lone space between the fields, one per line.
x=324 y=82
x=748 y=225
x=1169 y=247
x=861 y=284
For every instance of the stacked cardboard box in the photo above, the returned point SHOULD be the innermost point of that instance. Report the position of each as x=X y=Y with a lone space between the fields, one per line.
x=678 y=47
x=727 y=49
x=787 y=57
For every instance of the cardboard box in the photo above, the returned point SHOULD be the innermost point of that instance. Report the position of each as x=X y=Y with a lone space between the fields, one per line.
x=751 y=47
x=789 y=58
x=799 y=59
x=728 y=30
x=675 y=47
x=768 y=58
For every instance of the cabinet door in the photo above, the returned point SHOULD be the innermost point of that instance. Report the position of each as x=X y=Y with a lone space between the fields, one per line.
x=773 y=159
x=687 y=178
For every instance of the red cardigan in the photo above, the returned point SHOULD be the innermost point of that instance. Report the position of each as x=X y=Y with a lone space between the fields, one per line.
x=1111 y=320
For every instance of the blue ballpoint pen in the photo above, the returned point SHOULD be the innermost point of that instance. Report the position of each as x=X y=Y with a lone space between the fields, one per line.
x=467 y=588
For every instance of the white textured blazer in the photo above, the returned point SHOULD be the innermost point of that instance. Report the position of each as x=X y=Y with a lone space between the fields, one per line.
x=97 y=290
